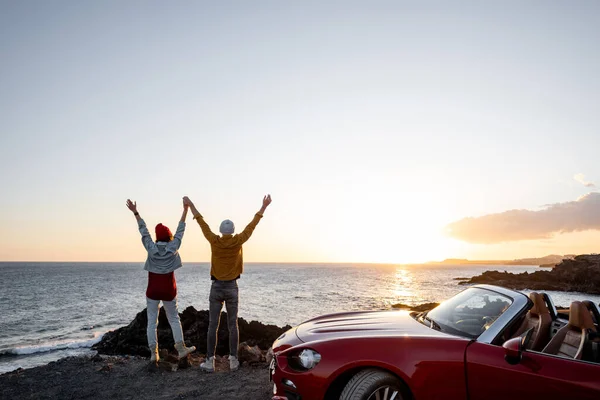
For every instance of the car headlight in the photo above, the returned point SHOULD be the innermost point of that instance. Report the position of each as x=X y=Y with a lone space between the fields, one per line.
x=306 y=359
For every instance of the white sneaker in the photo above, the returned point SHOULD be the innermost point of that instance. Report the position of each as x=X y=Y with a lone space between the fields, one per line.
x=208 y=365
x=234 y=363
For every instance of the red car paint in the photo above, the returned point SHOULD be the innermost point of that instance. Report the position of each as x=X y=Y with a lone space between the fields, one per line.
x=536 y=376
x=432 y=364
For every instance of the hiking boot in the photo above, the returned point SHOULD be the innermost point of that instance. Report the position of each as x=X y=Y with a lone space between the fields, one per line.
x=154 y=358
x=208 y=365
x=234 y=363
x=182 y=350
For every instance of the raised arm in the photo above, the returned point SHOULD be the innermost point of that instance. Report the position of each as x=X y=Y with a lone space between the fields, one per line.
x=184 y=213
x=146 y=238
x=132 y=205
x=265 y=204
x=208 y=234
x=178 y=237
x=247 y=232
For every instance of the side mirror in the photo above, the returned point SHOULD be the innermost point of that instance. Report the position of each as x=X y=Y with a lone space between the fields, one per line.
x=513 y=350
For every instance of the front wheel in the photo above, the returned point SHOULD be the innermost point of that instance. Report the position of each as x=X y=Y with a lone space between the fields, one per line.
x=373 y=384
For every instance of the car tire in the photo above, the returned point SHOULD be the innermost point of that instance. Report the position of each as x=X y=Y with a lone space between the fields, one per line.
x=367 y=383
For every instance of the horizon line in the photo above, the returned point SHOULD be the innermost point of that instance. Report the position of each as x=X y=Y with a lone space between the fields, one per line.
x=291 y=262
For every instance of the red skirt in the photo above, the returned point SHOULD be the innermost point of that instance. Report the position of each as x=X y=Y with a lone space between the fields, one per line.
x=161 y=286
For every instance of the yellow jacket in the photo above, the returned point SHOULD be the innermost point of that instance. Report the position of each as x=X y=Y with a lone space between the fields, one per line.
x=227 y=260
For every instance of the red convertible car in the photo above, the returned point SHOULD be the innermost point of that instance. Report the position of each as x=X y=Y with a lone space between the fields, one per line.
x=486 y=342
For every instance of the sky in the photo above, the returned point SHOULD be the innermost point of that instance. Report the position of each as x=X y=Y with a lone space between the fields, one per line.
x=385 y=131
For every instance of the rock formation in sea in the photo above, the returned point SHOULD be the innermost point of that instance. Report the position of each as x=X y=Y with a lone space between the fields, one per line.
x=580 y=274
x=419 y=307
x=132 y=339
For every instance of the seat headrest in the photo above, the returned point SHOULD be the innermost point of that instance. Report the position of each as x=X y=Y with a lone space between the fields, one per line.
x=539 y=305
x=579 y=316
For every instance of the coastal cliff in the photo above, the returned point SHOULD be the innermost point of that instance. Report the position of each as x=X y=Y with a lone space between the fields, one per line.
x=580 y=274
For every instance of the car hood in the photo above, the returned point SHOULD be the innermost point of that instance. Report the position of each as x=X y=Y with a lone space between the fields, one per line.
x=363 y=324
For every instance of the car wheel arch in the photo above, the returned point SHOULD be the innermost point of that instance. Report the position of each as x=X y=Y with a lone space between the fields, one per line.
x=342 y=377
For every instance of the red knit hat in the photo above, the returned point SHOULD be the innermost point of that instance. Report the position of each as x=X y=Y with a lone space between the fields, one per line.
x=163 y=234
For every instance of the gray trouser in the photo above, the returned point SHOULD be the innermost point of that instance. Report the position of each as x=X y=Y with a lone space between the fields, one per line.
x=223 y=292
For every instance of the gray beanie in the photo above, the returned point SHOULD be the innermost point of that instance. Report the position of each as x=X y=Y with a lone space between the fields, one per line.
x=227 y=227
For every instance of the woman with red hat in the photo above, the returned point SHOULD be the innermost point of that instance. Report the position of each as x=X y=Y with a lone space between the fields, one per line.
x=163 y=258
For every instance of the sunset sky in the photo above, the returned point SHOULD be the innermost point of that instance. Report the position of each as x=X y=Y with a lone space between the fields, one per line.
x=385 y=131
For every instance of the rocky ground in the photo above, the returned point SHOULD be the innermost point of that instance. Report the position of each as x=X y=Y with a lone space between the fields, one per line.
x=581 y=274
x=123 y=377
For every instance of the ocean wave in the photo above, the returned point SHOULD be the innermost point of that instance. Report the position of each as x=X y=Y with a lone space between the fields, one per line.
x=45 y=348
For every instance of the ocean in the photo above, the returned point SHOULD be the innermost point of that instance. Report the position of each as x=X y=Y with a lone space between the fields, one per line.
x=54 y=310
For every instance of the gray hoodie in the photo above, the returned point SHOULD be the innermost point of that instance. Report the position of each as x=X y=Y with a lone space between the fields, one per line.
x=163 y=257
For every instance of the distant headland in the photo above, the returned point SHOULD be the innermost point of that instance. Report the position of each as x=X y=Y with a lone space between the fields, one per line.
x=578 y=274
x=546 y=261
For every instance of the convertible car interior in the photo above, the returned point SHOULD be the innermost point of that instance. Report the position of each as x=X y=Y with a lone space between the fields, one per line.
x=571 y=333
x=539 y=319
x=572 y=339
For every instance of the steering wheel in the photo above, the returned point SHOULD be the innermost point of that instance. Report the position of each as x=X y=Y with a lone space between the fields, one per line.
x=473 y=326
x=469 y=321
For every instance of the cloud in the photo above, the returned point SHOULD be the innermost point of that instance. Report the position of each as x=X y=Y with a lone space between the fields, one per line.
x=513 y=225
x=581 y=179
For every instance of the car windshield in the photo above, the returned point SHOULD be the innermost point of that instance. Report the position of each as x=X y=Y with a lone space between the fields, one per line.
x=467 y=314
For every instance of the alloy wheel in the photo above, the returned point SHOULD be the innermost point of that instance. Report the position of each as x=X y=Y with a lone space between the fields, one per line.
x=384 y=393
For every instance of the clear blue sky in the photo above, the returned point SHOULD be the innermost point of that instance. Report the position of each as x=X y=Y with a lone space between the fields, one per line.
x=373 y=125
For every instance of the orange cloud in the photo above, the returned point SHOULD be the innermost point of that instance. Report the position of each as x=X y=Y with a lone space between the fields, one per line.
x=513 y=225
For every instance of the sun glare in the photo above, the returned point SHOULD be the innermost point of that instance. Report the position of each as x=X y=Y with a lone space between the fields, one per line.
x=403 y=282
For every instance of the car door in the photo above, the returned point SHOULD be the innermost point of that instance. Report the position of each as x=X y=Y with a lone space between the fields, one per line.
x=489 y=376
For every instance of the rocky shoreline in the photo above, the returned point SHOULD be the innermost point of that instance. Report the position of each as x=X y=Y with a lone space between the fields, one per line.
x=580 y=274
x=121 y=369
x=132 y=340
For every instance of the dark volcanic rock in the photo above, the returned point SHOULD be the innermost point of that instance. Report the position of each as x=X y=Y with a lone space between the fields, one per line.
x=420 y=307
x=132 y=339
x=581 y=274
x=250 y=354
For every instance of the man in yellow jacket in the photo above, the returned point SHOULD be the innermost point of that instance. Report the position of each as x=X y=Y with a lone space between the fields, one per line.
x=226 y=266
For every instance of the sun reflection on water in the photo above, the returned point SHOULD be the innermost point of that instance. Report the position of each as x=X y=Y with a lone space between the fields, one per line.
x=403 y=283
